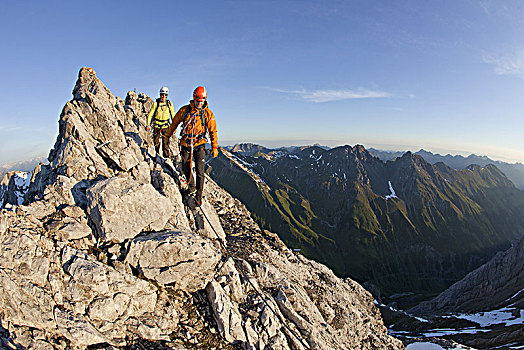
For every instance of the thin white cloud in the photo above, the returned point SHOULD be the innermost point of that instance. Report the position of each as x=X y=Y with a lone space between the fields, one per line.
x=508 y=65
x=8 y=128
x=319 y=96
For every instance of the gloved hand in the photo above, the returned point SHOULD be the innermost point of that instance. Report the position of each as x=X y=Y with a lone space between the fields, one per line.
x=215 y=152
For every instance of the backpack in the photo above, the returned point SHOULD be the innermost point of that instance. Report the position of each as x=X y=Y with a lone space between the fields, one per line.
x=169 y=105
x=202 y=120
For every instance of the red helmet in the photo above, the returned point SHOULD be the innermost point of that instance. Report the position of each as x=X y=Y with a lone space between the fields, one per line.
x=200 y=94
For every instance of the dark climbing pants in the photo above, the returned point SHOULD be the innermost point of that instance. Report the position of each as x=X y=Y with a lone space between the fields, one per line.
x=159 y=135
x=199 y=155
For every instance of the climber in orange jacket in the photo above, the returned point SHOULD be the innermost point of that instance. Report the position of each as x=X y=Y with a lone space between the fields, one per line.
x=197 y=120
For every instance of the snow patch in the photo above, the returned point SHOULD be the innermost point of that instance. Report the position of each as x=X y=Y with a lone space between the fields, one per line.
x=520 y=291
x=393 y=194
x=278 y=154
x=424 y=346
x=420 y=319
x=486 y=319
x=430 y=346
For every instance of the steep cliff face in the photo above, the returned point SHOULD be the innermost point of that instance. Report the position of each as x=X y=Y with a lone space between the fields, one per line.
x=404 y=225
x=107 y=252
x=483 y=310
x=497 y=284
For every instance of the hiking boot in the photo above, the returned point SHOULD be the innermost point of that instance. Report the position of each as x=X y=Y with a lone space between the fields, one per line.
x=198 y=198
x=191 y=191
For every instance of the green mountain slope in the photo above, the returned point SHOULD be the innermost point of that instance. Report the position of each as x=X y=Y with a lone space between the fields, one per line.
x=337 y=207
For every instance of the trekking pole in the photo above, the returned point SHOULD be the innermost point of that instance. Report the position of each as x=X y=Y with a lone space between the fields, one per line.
x=259 y=294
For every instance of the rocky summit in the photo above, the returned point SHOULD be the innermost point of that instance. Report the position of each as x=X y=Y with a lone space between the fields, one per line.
x=106 y=253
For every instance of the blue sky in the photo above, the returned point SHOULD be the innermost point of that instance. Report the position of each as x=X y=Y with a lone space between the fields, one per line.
x=446 y=76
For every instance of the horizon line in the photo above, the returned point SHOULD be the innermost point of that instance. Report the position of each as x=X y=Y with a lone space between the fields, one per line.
x=379 y=147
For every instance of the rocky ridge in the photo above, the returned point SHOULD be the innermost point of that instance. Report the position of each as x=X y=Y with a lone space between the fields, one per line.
x=105 y=252
x=514 y=171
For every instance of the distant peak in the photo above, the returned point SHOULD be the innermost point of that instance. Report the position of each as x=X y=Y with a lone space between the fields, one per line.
x=360 y=148
x=413 y=158
x=423 y=151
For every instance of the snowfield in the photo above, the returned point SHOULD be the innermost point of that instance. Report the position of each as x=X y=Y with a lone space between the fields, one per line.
x=502 y=316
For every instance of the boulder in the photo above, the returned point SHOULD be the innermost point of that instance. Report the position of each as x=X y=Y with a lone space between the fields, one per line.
x=174 y=257
x=121 y=208
x=165 y=184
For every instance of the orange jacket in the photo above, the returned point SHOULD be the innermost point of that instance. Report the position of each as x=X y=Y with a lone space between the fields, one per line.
x=193 y=125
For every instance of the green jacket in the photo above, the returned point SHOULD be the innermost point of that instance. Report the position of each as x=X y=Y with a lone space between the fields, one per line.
x=163 y=114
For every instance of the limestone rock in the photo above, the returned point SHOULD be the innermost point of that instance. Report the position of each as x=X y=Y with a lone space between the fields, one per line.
x=228 y=317
x=165 y=184
x=208 y=223
x=178 y=257
x=121 y=208
x=77 y=329
x=70 y=294
x=90 y=133
x=73 y=225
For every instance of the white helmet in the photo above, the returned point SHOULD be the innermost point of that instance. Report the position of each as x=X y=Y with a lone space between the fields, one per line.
x=164 y=90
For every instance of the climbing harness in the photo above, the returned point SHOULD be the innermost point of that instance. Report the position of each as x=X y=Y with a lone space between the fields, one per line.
x=259 y=294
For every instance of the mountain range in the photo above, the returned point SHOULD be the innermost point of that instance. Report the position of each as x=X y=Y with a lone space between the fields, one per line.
x=514 y=171
x=25 y=165
x=403 y=225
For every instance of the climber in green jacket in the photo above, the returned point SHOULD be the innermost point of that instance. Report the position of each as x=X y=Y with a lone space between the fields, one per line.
x=161 y=114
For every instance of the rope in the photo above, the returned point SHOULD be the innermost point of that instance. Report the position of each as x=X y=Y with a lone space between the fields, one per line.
x=224 y=249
